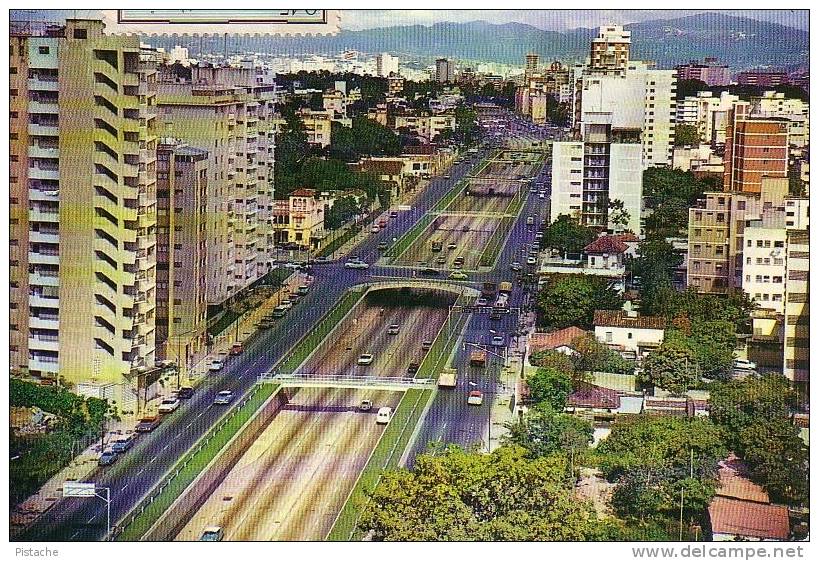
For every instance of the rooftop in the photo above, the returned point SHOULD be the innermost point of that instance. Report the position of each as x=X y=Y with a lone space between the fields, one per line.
x=619 y=318
x=550 y=341
x=606 y=244
x=589 y=395
x=748 y=519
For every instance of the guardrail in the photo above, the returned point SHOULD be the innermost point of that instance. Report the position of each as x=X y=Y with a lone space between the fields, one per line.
x=343 y=381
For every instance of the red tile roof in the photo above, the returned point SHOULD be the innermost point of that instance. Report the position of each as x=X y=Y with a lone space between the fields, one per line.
x=734 y=483
x=589 y=395
x=382 y=167
x=550 y=341
x=619 y=318
x=626 y=238
x=748 y=519
x=303 y=193
x=420 y=149
x=606 y=244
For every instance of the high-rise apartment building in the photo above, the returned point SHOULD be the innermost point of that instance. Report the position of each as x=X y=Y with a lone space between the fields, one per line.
x=228 y=112
x=610 y=49
x=754 y=148
x=444 y=70
x=795 y=111
x=708 y=113
x=532 y=61
x=83 y=208
x=181 y=303
x=708 y=71
x=797 y=310
x=386 y=64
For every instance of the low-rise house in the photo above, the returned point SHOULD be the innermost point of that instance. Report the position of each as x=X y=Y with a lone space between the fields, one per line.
x=741 y=510
x=389 y=170
x=299 y=218
x=560 y=340
x=629 y=333
x=606 y=253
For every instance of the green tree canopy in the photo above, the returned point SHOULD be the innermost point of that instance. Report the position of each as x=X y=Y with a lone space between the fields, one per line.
x=572 y=299
x=550 y=386
x=567 y=236
x=469 y=496
x=672 y=367
x=686 y=135
x=544 y=431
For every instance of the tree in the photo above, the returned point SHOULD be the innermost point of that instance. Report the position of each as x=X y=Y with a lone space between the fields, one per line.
x=713 y=344
x=687 y=88
x=544 y=431
x=469 y=496
x=572 y=299
x=619 y=217
x=655 y=267
x=594 y=356
x=567 y=235
x=550 y=386
x=686 y=135
x=343 y=209
x=673 y=367
x=778 y=459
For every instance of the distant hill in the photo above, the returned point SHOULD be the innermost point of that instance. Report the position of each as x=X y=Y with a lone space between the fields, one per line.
x=740 y=42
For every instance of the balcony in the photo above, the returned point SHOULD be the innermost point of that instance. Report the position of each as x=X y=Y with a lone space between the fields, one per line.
x=43 y=237
x=41 y=216
x=44 y=173
x=43 y=366
x=40 y=152
x=44 y=321
x=44 y=107
x=46 y=85
x=43 y=130
x=44 y=343
x=38 y=279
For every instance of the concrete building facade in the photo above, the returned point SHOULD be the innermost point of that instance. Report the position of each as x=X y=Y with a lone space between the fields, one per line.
x=754 y=148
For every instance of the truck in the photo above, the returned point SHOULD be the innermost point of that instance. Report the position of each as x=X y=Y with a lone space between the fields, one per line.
x=477 y=358
x=448 y=378
x=505 y=287
x=437 y=245
x=489 y=289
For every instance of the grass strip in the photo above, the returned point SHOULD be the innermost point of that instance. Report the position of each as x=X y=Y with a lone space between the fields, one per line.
x=339 y=241
x=316 y=335
x=191 y=465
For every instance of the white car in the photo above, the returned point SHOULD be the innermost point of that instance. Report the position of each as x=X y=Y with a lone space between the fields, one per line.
x=216 y=365
x=169 y=405
x=365 y=405
x=356 y=265
x=375 y=229
x=365 y=359
x=393 y=329
x=741 y=364
x=384 y=416
x=497 y=341
x=475 y=398
x=531 y=261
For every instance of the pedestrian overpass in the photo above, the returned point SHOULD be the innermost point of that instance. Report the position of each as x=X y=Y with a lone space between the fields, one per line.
x=387 y=383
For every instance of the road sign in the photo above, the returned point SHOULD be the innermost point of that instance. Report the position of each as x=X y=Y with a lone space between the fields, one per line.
x=77 y=489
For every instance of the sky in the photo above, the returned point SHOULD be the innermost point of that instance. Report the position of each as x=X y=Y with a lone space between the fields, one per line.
x=553 y=20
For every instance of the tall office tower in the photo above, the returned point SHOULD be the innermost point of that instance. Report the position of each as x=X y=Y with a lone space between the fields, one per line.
x=532 y=60
x=754 y=148
x=386 y=64
x=181 y=247
x=444 y=70
x=226 y=112
x=587 y=175
x=797 y=310
x=610 y=49
x=83 y=208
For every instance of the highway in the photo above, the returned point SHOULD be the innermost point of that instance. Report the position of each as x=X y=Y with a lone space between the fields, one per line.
x=292 y=482
x=143 y=466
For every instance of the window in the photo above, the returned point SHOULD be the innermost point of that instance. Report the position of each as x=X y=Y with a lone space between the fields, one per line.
x=609 y=336
x=42 y=49
x=630 y=335
x=80 y=34
x=777 y=280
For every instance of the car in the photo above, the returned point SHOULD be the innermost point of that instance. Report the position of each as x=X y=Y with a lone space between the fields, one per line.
x=413 y=367
x=482 y=302
x=440 y=261
x=303 y=289
x=541 y=196
x=286 y=304
x=356 y=264
x=375 y=229
x=321 y=260
x=495 y=314
x=266 y=323
x=279 y=312
x=393 y=329
x=426 y=344
x=447 y=176
x=531 y=260
x=452 y=246
x=365 y=405
x=382 y=246
x=237 y=349
x=497 y=341
x=457 y=275
x=148 y=424
x=465 y=228
x=516 y=266
x=223 y=397
x=185 y=392
x=169 y=405
x=393 y=214
x=123 y=443
x=741 y=364
x=365 y=359
x=216 y=365
x=293 y=266
x=384 y=416
x=107 y=458
x=430 y=272
x=475 y=398
x=212 y=534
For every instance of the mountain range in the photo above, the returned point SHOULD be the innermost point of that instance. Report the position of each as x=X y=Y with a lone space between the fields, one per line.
x=740 y=42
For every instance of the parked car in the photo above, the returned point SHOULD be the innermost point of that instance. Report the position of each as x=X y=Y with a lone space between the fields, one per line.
x=266 y=323
x=185 y=392
x=169 y=405
x=741 y=364
x=475 y=398
x=531 y=260
x=481 y=302
x=224 y=397
x=148 y=424
x=237 y=349
x=375 y=229
x=516 y=266
x=384 y=416
x=498 y=341
x=382 y=246
x=279 y=312
x=365 y=405
x=216 y=365
x=452 y=245
x=286 y=304
x=365 y=359
x=393 y=214
x=303 y=289
x=107 y=458
x=123 y=443
x=212 y=534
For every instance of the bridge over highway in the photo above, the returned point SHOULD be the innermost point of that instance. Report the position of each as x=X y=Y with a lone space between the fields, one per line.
x=344 y=381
